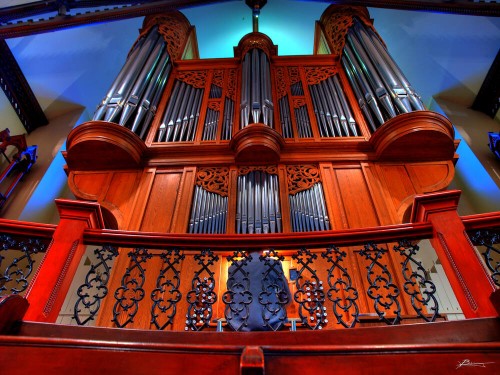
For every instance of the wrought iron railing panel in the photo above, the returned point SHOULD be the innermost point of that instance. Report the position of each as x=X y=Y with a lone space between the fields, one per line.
x=310 y=293
x=17 y=262
x=202 y=296
x=238 y=297
x=166 y=295
x=131 y=292
x=341 y=290
x=417 y=285
x=382 y=289
x=489 y=241
x=252 y=293
x=275 y=294
x=95 y=288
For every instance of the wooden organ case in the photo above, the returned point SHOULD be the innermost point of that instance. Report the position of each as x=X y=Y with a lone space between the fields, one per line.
x=260 y=145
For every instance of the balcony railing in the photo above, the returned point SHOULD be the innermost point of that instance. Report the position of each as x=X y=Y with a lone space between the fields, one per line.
x=327 y=280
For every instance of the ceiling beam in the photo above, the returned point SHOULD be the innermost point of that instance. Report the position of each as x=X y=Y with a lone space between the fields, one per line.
x=13 y=21
x=467 y=7
x=62 y=19
x=18 y=91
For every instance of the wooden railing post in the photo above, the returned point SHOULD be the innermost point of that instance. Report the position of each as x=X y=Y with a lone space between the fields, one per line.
x=468 y=277
x=53 y=279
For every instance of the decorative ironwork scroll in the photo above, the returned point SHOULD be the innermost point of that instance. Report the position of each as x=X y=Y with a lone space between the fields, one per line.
x=275 y=294
x=202 y=296
x=309 y=295
x=341 y=292
x=238 y=296
x=131 y=292
x=417 y=285
x=14 y=277
x=302 y=177
x=166 y=294
x=382 y=289
x=92 y=292
x=491 y=254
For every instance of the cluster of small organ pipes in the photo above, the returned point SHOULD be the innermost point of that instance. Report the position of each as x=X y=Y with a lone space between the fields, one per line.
x=381 y=89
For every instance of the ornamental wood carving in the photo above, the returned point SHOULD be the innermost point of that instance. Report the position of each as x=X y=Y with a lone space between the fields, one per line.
x=270 y=169
x=293 y=74
x=281 y=86
x=174 y=27
x=337 y=23
x=214 y=104
x=213 y=179
x=195 y=78
x=231 y=84
x=298 y=102
x=256 y=40
x=218 y=78
x=302 y=177
x=315 y=75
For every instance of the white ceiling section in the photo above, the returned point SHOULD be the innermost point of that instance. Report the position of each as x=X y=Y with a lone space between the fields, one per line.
x=441 y=54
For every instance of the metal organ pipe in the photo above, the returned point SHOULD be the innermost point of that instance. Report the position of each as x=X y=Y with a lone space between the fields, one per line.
x=308 y=210
x=181 y=116
x=132 y=98
x=332 y=110
x=375 y=77
x=208 y=212
x=256 y=94
x=258 y=209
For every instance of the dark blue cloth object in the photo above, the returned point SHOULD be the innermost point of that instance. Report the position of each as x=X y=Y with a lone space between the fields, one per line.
x=257 y=294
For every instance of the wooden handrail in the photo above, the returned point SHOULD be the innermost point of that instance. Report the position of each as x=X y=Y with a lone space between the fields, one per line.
x=26 y=228
x=349 y=237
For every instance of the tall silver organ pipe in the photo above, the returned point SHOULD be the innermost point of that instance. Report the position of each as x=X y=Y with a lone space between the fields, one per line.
x=227 y=124
x=308 y=210
x=256 y=95
x=258 y=207
x=380 y=87
x=208 y=213
x=332 y=110
x=181 y=117
x=286 y=122
x=210 y=127
x=133 y=96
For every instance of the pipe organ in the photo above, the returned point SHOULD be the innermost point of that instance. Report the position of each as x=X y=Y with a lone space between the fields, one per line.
x=184 y=145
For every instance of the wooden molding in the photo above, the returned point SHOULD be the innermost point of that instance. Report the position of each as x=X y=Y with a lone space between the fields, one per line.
x=100 y=145
x=419 y=135
x=257 y=143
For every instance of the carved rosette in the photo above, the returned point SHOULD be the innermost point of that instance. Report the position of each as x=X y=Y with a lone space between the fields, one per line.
x=280 y=82
x=195 y=78
x=269 y=169
x=213 y=179
x=301 y=177
x=231 y=84
x=299 y=102
x=315 y=75
x=174 y=27
x=215 y=105
x=337 y=20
